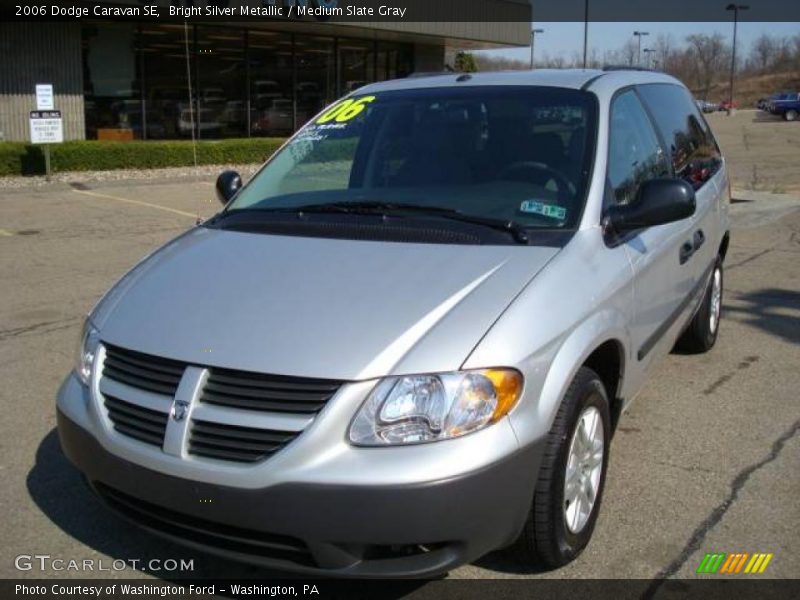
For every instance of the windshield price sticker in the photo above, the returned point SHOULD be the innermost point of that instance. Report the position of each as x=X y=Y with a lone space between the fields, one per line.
x=546 y=210
x=345 y=110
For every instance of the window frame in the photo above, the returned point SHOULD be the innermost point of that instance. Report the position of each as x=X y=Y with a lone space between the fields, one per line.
x=696 y=112
x=608 y=190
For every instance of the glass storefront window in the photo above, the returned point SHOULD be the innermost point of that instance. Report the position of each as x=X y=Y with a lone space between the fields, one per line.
x=271 y=99
x=356 y=64
x=220 y=83
x=315 y=81
x=166 y=97
x=244 y=82
x=111 y=82
x=394 y=61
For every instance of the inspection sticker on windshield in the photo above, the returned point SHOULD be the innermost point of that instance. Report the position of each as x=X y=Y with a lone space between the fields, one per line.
x=546 y=210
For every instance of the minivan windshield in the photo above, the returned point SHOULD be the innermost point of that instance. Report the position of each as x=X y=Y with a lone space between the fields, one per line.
x=512 y=154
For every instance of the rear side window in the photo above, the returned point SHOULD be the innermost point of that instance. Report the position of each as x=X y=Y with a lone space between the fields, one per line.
x=634 y=152
x=693 y=151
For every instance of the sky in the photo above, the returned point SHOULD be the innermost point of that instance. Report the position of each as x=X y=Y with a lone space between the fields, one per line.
x=567 y=38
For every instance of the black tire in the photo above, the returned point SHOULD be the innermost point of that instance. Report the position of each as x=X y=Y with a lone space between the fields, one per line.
x=790 y=115
x=545 y=538
x=700 y=336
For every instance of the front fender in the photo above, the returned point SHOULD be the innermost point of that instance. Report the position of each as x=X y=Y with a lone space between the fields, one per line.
x=554 y=369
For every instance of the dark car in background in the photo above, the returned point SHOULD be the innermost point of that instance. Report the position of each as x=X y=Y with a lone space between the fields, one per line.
x=786 y=106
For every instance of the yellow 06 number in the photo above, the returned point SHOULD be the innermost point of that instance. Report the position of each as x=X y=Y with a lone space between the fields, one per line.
x=345 y=110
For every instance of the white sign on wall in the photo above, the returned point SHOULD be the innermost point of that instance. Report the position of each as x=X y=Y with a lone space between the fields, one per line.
x=46 y=127
x=44 y=96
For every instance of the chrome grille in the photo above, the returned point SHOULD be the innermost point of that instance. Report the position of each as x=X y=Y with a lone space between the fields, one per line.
x=135 y=421
x=273 y=393
x=143 y=371
x=232 y=442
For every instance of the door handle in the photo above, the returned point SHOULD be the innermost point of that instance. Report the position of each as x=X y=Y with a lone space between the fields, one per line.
x=687 y=249
x=698 y=239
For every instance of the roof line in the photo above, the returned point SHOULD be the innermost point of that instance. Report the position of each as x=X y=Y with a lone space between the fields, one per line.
x=590 y=81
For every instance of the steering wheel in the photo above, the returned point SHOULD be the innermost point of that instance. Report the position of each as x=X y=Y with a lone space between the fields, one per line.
x=539 y=173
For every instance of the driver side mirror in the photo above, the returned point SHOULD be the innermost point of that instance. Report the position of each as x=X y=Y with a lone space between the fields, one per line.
x=658 y=201
x=228 y=183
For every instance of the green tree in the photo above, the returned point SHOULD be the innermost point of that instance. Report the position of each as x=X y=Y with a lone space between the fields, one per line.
x=465 y=63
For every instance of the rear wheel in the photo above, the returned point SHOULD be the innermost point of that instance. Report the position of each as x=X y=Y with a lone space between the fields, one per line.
x=572 y=476
x=790 y=115
x=701 y=334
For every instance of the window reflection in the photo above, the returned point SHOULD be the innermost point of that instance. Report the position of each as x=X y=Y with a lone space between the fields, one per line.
x=220 y=86
x=166 y=91
x=244 y=82
x=111 y=82
x=271 y=103
x=316 y=76
x=356 y=64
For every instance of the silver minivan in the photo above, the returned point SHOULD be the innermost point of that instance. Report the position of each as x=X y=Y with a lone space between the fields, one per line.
x=405 y=342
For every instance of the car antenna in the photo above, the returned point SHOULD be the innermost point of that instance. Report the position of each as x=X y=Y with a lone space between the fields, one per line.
x=198 y=220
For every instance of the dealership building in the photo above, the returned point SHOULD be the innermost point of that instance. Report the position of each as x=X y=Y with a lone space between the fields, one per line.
x=126 y=80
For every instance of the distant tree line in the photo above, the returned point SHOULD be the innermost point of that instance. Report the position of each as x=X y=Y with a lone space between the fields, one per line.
x=700 y=61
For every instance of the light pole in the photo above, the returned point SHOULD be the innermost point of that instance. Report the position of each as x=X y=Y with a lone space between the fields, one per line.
x=585 y=30
x=533 y=43
x=735 y=8
x=649 y=53
x=639 y=35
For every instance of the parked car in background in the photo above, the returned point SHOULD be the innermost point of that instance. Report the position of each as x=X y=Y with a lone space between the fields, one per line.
x=786 y=106
x=727 y=105
x=206 y=122
x=274 y=118
x=770 y=103
x=706 y=106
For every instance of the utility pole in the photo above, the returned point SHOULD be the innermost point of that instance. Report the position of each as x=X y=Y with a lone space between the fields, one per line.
x=533 y=43
x=585 y=30
x=639 y=35
x=735 y=8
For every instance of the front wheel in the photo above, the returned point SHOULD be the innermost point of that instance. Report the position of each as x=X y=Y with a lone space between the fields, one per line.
x=701 y=334
x=572 y=476
x=790 y=115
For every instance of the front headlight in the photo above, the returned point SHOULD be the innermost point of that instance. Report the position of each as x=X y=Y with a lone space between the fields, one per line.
x=425 y=408
x=87 y=350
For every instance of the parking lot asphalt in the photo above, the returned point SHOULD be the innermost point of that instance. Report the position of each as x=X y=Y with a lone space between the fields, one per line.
x=706 y=460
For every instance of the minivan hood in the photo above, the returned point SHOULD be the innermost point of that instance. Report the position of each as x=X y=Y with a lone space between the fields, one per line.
x=314 y=307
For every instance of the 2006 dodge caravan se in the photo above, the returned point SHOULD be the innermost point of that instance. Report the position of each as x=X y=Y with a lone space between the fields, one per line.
x=404 y=342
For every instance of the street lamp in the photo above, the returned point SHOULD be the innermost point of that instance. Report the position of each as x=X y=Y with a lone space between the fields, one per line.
x=649 y=53
x=640 y=34
x=533 y=42
x=735 y=8
x=585 y=30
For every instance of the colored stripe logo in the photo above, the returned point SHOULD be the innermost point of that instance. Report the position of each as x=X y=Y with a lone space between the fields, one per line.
x=734 y=563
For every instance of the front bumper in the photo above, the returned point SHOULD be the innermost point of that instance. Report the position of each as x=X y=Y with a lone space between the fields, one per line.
x=357 y=529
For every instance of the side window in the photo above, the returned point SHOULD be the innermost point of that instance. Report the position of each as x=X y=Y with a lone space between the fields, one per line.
x=634 y=152
x=693 y=151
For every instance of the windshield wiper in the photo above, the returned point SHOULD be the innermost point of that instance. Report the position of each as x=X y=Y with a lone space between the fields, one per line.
x=510 y=227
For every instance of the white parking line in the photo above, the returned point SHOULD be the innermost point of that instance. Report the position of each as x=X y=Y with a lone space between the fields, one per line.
x=5 y=233
x=139 y=202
